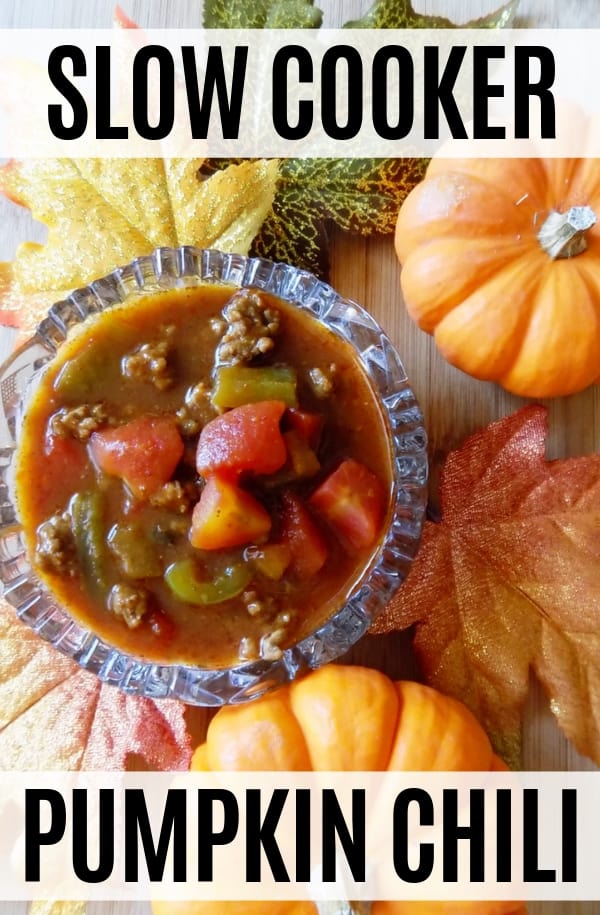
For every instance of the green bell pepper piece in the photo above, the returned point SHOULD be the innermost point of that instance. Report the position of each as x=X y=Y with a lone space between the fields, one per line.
x=182 y=580
x=236 y=385
x=81 y=376
x=87 y=514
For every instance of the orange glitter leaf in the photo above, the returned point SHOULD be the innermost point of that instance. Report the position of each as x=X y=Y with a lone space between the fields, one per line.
x=53 y=715
x=508 y=582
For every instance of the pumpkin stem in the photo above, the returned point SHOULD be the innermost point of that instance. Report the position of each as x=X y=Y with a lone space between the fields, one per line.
x=342 y=908
x=563 y=234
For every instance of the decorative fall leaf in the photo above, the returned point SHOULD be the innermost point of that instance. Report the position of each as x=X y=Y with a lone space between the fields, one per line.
x=57 y=908
x=508 y=582
x=399 y=14
x=103 y=212
x=299 y=14
x=358 y=195
x=53 y=715
x=261 y=14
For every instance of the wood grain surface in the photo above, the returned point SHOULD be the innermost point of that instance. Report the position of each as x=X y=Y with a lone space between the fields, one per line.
x=367 y=271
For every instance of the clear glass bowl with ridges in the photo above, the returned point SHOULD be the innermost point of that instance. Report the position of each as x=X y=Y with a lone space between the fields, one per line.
x=168 y=268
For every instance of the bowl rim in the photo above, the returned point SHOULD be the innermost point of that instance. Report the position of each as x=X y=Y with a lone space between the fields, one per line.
x=188 y=266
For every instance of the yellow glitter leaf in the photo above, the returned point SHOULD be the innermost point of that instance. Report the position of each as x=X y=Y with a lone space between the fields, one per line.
x=228 y=222
x=102 y=213
x=48 y=907
x=87 y=237
x=137 y=189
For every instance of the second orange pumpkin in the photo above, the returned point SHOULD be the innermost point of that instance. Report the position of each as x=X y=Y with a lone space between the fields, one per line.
x=501 y=263
x=346 y=719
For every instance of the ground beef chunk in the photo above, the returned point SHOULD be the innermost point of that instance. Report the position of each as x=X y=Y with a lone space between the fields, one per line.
x=149 y=363
x=173 y=497
x=251 y=328
x=129 y=603
x=55 y=548
x=218 y=326
x=322 y=382
x=270 y=645
x=196 y=411
x=79 y=422
x=171 y=529
x=269 y=648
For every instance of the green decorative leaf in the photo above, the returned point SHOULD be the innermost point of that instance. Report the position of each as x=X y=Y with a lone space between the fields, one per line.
x=357 y=195
x=294 y=236
x=293 y=14
x=261 y=14
x=399 y=14
x=361 y=196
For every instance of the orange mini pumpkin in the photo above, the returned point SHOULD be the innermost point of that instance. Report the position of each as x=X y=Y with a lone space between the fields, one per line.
x=501 y=263
x=345 y=719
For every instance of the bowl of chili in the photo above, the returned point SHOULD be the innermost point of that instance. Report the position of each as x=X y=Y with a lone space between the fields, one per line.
x=213 y=475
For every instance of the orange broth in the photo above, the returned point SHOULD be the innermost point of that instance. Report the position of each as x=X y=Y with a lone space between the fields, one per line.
x=51 y=469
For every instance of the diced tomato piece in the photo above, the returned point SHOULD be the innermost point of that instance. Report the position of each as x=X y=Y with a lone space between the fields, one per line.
x=143 y=453
x=65 y=462
x=245 y=438
x=304 y=539
x=308 y=425
x=227 y=516
x=352 y=500
x=64 y=454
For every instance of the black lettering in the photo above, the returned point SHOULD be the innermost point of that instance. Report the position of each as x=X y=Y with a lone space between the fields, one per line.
x=173 y=824
x=353 y=842
x=303 y=868
x=230 y=105
x=208 y=837
x=353 y=96
x=166 y=92
x=483 y=91
x=532 y=873
x=524 y=88
x=569 y=835
x=400 y=835
x=503 y=835
x=34 y=836
x=438 y=91
x=106 y=831
x=280 y=90
x=262 y=834
x=66 y=88
x=105 y=130
x=402 y=126
x=474 y=834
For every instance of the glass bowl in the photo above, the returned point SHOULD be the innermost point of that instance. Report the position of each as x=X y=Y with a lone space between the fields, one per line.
x=164 y=269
